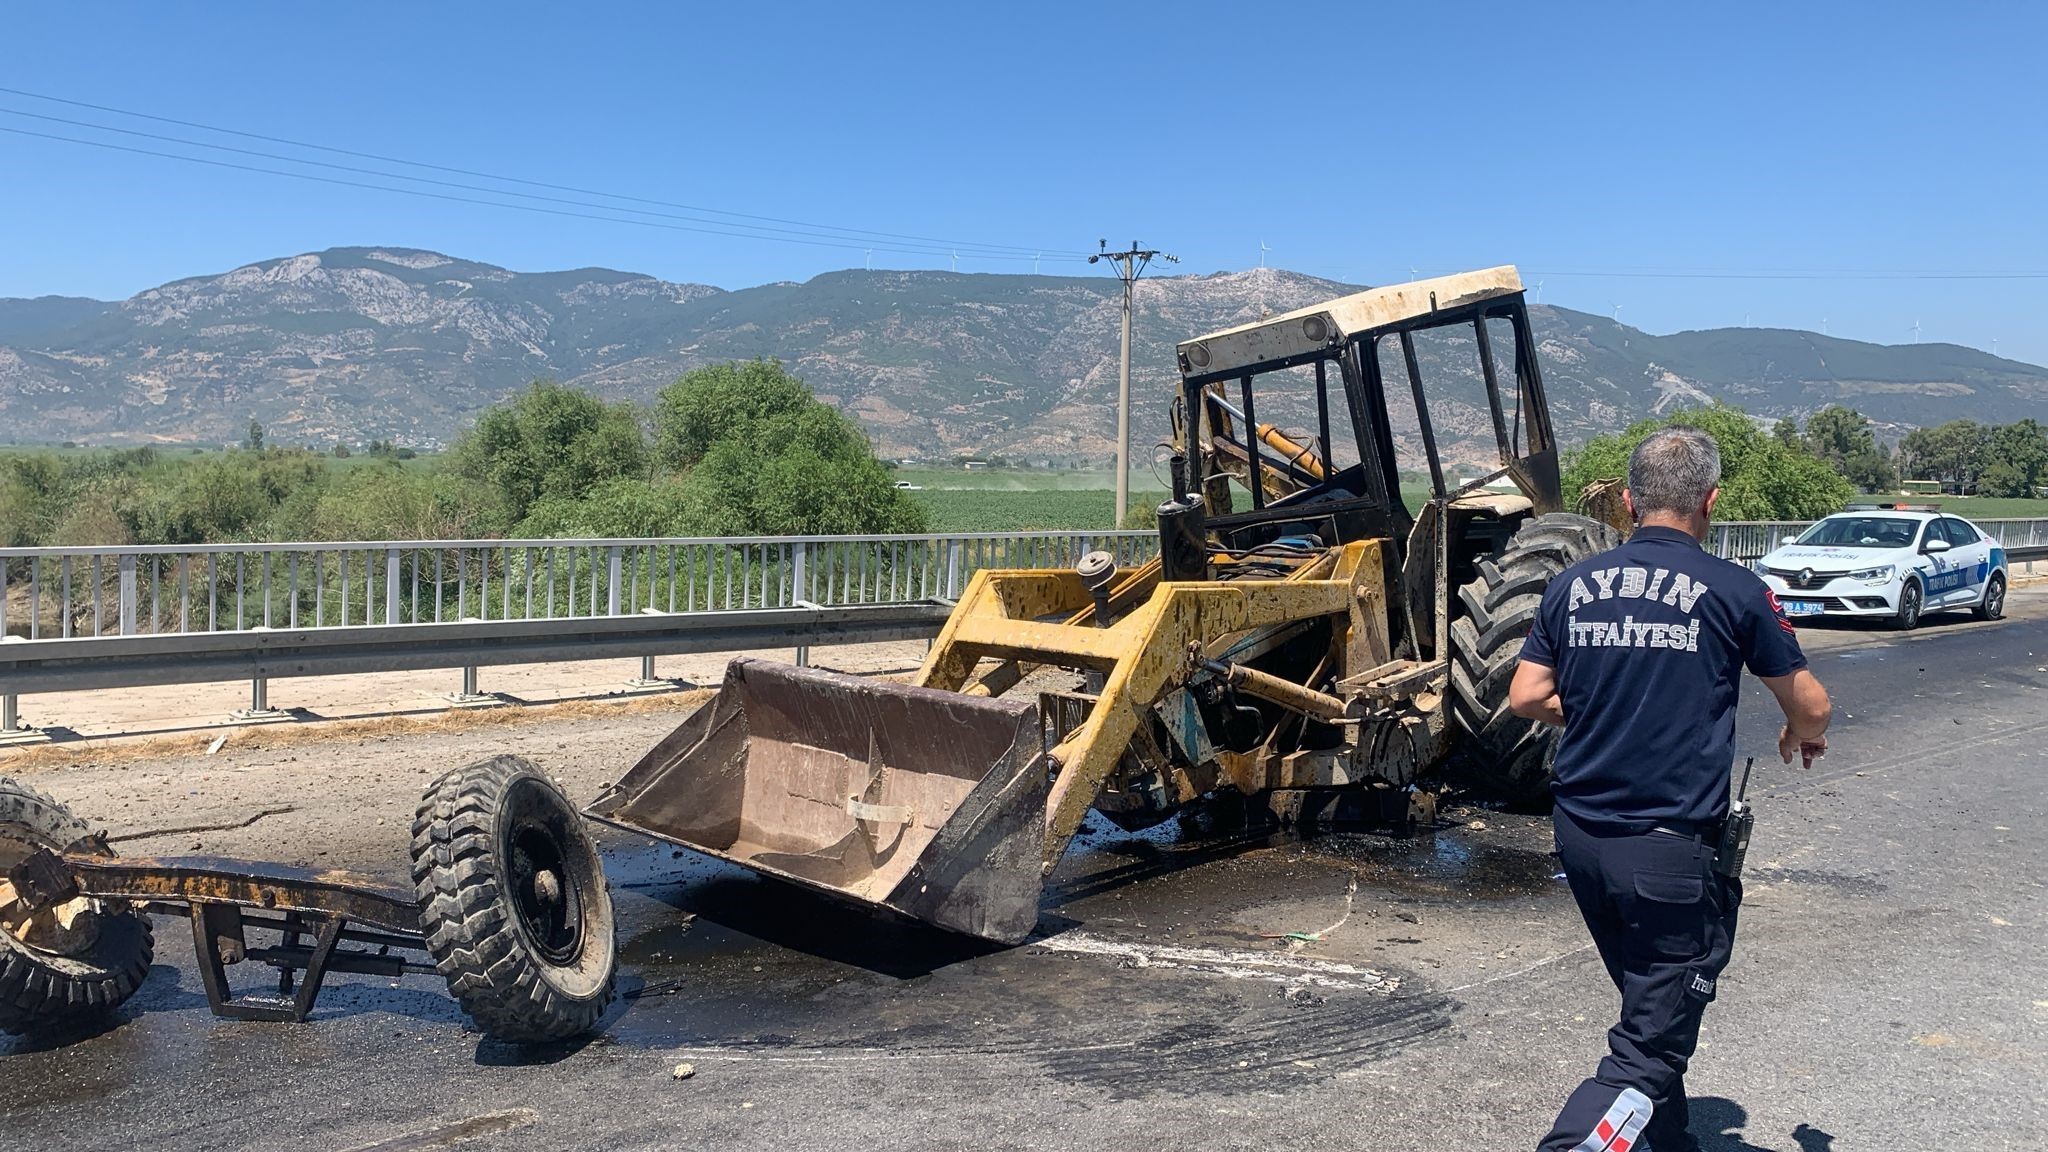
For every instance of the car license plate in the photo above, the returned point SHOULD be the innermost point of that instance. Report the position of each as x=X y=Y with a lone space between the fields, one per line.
x=1804 y=608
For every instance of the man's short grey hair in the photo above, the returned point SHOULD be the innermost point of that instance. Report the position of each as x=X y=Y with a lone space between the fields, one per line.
x=1672 y=470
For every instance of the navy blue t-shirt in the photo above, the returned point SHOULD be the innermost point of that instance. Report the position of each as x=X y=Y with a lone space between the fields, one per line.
x=1647 y=643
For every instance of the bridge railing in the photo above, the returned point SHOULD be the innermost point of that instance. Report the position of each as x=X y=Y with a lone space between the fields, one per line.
x=139 y=590
x=86 y=618
x=1750 y=539
x=76 y=593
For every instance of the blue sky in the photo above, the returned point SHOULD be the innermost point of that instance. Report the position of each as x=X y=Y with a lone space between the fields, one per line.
x=1691 y=146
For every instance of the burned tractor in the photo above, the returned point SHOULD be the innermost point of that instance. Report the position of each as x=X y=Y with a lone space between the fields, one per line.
x=1304 y=641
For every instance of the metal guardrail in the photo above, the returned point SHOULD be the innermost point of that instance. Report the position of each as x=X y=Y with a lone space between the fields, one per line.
x=260 y=655
x=178 y=589
x=100 y=617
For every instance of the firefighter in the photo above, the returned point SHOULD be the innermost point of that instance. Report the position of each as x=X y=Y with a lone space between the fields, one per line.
x=1638 y=654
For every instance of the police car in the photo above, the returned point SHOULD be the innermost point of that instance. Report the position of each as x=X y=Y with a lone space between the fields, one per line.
x=1893 y=561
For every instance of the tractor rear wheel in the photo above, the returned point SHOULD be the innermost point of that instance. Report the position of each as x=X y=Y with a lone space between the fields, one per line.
x=70 y=963
x=513 y=902
x=1502 y=754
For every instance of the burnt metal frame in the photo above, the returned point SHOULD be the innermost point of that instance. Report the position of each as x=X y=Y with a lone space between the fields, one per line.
x=1533 y=466
x=223 y=898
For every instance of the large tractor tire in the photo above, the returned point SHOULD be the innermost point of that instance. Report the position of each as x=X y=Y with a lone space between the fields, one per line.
x=62 y=966
x=513 y=902
x=1500 y=754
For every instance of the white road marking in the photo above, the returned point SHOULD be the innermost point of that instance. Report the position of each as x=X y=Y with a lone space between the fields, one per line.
x=1276 y=967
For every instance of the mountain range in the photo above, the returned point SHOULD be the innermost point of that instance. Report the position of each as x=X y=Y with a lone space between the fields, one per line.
x=353 y=344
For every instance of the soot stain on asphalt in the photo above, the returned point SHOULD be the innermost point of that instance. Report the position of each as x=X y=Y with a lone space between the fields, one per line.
x=1083 y=1021
x=1255 y=1052
x=1845 y=883
x=716 y=955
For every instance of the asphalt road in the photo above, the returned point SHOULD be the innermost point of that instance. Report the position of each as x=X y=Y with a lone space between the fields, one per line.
x=1889 y=988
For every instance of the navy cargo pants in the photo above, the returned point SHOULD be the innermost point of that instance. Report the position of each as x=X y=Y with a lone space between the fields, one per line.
x=1664 y=922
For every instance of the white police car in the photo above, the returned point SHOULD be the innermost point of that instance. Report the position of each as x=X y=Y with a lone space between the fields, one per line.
x=1895 y=561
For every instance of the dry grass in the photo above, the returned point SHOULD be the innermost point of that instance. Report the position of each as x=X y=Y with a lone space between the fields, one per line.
x=263 y=737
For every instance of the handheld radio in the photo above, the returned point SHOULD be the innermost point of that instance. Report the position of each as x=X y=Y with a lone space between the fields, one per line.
x=1734 y=846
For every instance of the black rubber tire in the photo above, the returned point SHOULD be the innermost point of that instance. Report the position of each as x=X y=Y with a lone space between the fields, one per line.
x=1912 y=606
x=1992 y=606
x=43 y=990
x=467 y=860
x=1500 y=754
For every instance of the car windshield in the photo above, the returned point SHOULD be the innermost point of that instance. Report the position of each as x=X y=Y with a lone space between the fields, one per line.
x=1862 y=532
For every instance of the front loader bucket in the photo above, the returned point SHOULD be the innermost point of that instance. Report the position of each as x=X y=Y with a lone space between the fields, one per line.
x=929 y=803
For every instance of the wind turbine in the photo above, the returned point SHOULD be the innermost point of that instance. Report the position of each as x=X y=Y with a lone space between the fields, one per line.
x=1413 y=274
x=1034 y=262
x=1617 y=313
x=1823 y=325
x=871 y=259
x=1539 y=291
x=956 y=259
x=1916 y=331
x=1262 y=254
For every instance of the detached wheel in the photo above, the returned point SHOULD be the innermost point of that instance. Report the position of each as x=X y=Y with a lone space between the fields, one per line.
x=1993 y=605
x=1500 y=753
x=1911 y=601
x=513 y=902
x=72 y=963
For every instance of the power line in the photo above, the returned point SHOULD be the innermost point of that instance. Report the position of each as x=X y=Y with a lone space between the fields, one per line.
x=821 y=243
x=752 y=228
x=1022 y=250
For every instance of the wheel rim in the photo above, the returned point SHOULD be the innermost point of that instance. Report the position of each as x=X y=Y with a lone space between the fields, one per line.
x=548 y=871
x=1911 y=612
x=1994 y=600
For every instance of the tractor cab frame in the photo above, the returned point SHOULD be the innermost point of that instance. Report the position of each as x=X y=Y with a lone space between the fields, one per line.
x=1294 y=485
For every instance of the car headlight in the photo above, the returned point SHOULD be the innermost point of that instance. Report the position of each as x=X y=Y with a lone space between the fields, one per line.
x=1877 y=575
x=1759 y=567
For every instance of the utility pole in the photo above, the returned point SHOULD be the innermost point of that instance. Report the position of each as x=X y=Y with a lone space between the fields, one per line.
x=1129 y=265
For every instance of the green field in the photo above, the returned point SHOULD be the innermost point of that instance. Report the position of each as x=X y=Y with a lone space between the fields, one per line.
x=1019 y=500
x=1022 y=510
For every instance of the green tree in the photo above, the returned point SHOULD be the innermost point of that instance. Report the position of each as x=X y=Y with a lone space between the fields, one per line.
x=1761 y=478
x=253 y=440
x=2019 y=459
x=1953 y=453
x=1786 y=432
x=759 y=455
x=551 y=440
x=731 y=401
x=1842 y=437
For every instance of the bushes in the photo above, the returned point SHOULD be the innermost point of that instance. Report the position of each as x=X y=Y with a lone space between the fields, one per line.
x=274 y=494
x=738 y=449
x=551 y=441
x=1762 y=477
x=757 y=454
